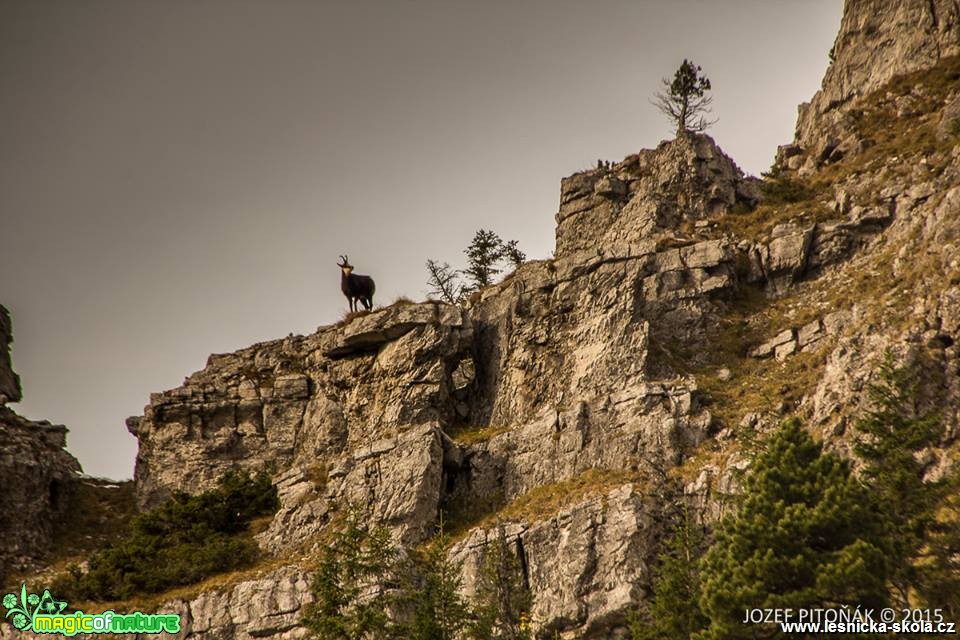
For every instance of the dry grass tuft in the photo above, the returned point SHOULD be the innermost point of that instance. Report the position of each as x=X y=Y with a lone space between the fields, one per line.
x=468 y=434
x=544 y=501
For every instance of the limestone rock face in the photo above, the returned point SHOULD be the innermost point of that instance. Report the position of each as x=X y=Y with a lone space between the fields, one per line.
x=357 y=406
x=878 y=39
x=267 y=607
x=36 y=473
x=9 y=381
x=686 y=179
x=557 y=359
x=584 y=565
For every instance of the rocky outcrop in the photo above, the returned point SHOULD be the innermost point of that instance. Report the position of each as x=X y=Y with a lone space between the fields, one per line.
x=878 y=39
x=647 y=427
x=557 y=359
x=684 y=180
x=358 y=407
x=36 y=474
x=585 y=566
x=269 y=606
x=9 y=381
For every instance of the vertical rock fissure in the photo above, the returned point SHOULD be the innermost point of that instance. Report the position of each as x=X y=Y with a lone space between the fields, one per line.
x=524 y=565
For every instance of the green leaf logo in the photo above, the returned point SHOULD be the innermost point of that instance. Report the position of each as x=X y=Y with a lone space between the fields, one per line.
x=21 y=610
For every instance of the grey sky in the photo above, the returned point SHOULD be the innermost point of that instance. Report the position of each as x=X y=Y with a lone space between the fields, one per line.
x=177 y=178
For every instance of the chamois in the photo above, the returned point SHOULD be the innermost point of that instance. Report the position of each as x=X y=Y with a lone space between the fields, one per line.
x=355 y=287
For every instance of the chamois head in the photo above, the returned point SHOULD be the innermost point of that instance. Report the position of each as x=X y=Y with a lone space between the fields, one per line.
x=345 y=265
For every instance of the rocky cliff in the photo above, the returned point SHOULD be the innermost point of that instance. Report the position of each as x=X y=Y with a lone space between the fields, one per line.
x=687 y=309
x=876 y=42
x=37 y=475
x=9 y=381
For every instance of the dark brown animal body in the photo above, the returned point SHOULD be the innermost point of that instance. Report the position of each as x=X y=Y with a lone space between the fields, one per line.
x=355 y=287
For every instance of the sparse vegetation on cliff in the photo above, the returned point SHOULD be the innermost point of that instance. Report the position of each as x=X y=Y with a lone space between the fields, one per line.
x=486 y=257
x=185 y=540
x=809 y=533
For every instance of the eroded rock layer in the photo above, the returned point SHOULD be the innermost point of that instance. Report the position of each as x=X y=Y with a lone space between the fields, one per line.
x=36 y=474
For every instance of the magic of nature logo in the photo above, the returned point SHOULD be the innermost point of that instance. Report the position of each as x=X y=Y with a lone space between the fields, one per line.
x=43 y=614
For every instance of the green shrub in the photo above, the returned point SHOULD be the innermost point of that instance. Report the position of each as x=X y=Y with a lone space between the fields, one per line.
x=183 y=541
x=782 y=189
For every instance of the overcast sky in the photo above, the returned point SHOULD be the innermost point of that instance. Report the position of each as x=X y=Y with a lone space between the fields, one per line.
x=177 y=178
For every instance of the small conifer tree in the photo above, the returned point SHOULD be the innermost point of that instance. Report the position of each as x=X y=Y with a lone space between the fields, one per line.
x=486 y=256
x=939 y=579
x=898 y=425
x=674 y=612
x=512 y=253
x=684 y=99
x=483 y=254
x=354 y=582
x=503 y=597
x=806 y=535
x=438 y=610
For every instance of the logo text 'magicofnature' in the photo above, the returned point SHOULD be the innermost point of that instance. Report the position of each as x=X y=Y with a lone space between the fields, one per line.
x=43 y=614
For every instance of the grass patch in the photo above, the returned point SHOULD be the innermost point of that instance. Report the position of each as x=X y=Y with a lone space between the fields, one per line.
x=778 y=188
x=348 y=316
x=759 y=386
x=758 y=223
x=909 y=137
x=544 y=501
x=471 y=434
x=755 y=386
